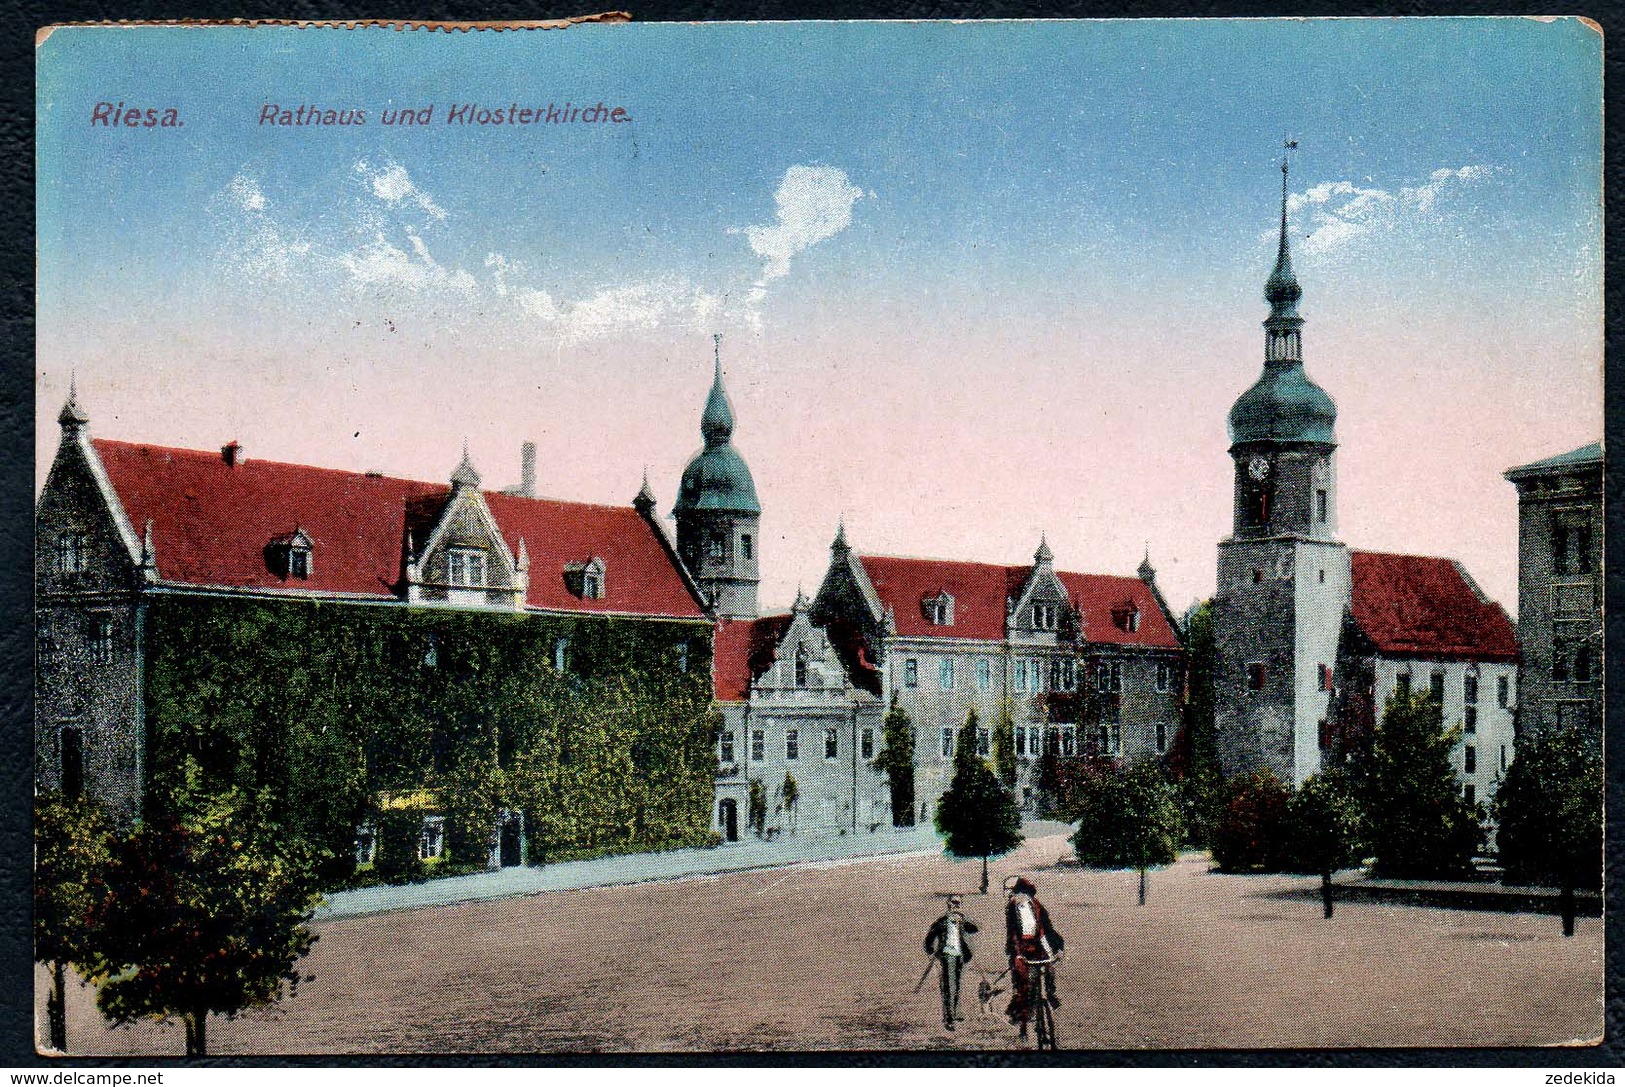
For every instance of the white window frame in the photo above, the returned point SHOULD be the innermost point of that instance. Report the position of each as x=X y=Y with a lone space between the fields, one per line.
x=101 y=636
x=947 y=677
x=946 y=742
x=725 y=747
x=72 y=553
x=866 y=742
x=832 y=744
x=758 y=745
x=792 y=745
x=466 y=567
x=1046 y=617
x=1165 y=672
x=984 y=674
x=911 y=672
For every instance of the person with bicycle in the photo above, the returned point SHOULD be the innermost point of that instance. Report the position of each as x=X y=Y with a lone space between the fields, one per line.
x=949 y=940
x=1032 y=945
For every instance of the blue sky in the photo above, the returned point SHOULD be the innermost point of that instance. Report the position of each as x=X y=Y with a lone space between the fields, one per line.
x=1081 y=209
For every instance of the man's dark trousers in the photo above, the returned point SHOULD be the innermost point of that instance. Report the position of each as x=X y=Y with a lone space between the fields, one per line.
x=952 y=967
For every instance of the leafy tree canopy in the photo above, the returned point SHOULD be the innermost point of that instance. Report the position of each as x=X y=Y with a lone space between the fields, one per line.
x=976 y=815
x=1548 y=812
x=1419 y=824
x=1324 y=824
x=1128 y=817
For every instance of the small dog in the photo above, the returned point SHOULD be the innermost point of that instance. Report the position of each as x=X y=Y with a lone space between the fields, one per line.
x=985 y=992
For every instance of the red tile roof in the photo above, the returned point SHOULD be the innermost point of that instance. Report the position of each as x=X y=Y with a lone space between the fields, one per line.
x=742 y=651
x=981 y=589
x=1415 y=605
x=212 y=522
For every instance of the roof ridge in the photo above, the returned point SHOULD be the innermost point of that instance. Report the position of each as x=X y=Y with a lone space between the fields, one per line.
x=1003 y=567
x=354 y=474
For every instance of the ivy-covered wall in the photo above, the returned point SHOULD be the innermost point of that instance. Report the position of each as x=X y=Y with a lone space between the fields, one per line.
x=327 y=706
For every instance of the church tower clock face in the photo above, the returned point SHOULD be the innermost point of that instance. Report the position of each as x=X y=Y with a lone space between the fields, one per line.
x=1258 y=468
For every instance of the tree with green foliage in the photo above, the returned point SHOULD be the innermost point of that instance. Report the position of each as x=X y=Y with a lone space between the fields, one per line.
x=758 y=806
x=1324 y=828
x=1419 y=826
x=1193 y=758
x=204 y=913
x=1548 y=815
x=790 y=795
x=396 y=859
x=72 y=851
x=1251 y=832
x=1004 y=746
x=896 y=761
x=1128 y=817
x=471 y=792
x=977 y=815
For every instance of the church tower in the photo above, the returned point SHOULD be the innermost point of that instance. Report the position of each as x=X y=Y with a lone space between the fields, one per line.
x=717 y=512
x=1283 y=578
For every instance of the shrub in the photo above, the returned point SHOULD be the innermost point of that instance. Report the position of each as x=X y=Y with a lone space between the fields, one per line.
x=396 y=854
x=1251 y=834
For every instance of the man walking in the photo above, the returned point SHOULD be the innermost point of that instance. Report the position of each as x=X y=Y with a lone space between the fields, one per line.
x=949 y=940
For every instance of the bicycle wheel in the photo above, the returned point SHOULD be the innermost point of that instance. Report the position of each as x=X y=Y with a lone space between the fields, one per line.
x=1044 y=1019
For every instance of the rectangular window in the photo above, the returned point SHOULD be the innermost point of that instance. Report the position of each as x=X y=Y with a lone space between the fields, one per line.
x=465 y=567
x=1402 y=685
x=1436 y=686
x=298 y=562
x=101 y=637
x=1111 y=738
x=911 y=672
x=1116 y=676
x=1035 y=674
x=1582 y=664
x=1582 y=550
x=792 y=744
x=1560 y=549
x=1469 y=719
x=832 y=744
x=1503 y=691
x=945 y=673
x=73 y=553
x=984 y=674
x=432 y=839
x=1320 y=506
x=72 y=754
x=1560 y=662
x=1255 y=676
x=1470 y=792
x=1325 y=678
x=984 y=742
x=1069 y=739
x=947 y=742
x=758 y=745
x=1469 y=688
x=725 y=748
x=1044 y=616
x=1018 y=675
x=1162 y=738
x=1469 y=757
x=867 y=750
x=746 y=547
x=1165 y=674
x=1503 y=756
x=1021 y=741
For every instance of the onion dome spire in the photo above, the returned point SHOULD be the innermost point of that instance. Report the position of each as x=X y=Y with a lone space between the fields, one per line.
x=1281 y=290
x=717 y=424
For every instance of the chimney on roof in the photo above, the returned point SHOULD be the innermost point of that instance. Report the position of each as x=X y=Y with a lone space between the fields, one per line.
x=527 y=469
x=232 y=453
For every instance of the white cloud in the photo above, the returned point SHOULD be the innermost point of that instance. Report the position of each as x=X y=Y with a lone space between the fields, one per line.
x=813 y=203
x=254 y=245
x=1341 y=215
x=393 y=185
x=381 y=265
x=245 y=192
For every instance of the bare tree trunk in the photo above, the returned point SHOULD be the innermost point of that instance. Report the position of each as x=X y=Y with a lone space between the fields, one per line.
x=56 y=1008
x=1567 y=900
x=1326 y=891
x=1142 y=886
x=195 y=1044
x=984 y=875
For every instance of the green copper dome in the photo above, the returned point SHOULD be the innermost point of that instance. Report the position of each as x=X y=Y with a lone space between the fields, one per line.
x=717 y=477
x=1284 y=406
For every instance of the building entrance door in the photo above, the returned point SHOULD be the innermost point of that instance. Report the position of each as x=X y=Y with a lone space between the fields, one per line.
x=728 y=816
x=73 y=763
x=509 y=844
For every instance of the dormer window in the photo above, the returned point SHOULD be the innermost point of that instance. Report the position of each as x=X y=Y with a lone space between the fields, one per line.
x=1046 y=616
x=801 y=666
x=586 y=579
x=290 y=557
x=465 y=567
x=939 y=609
x=1127 y=617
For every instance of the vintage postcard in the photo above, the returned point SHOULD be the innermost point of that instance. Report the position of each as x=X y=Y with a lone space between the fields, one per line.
x=617 y=538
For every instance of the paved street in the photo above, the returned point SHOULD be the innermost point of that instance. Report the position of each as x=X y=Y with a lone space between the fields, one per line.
x=826 y=955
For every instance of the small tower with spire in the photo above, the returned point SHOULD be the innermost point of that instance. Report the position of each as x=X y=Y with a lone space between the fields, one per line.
x=718 y=516
x=1283 y=575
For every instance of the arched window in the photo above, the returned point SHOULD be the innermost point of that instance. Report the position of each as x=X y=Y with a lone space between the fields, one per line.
x=561 y=655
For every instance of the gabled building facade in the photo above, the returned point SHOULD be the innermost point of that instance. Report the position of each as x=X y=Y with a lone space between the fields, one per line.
x=1086 y=665
x=122 y=529
x=1311 y=638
